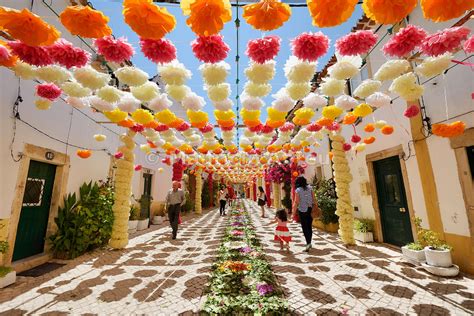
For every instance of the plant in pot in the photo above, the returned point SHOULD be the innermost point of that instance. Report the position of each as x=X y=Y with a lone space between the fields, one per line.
x=363 y=229
x=414 y=252
x=7 y=274
x=327 y=200
x=133 y=220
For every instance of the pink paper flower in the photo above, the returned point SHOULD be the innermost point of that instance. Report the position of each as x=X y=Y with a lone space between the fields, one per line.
x=469 y=45
x=310 y=46
x=447 y=40
x=412 y=111
x=207 y=128
x=48 y=91
x=263 y=49
x=118 y=155
x=138 y=167
x=160 y=51
x=314 y=127
x=334 y=127
x=114 y=50
x=227 y=128
x=4 y=53
x=65 y=54
x=183 y=127
x=210 y=49
x=356 y=43
x=346 y=147
x=405 y=41
x=287 y=127
x=33 y=55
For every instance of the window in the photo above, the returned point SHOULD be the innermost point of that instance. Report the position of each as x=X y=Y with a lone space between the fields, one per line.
x=33 y=192
x=470 y=157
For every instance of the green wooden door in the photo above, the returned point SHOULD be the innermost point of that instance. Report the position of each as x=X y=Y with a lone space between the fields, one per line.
x=30 y=236
x=394 y=215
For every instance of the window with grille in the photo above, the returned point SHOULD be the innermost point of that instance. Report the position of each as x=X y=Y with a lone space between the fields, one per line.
x=33 y=192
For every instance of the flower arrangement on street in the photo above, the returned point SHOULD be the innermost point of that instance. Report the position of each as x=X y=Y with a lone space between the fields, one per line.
x=242 y=281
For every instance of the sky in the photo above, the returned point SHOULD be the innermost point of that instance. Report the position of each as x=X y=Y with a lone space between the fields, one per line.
x=182 y=36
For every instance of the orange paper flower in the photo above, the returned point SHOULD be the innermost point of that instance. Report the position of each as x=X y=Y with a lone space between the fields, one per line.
x=275 y=124
x=267 y=15
x=148 y=20
x=369 y=140
x=331 y=154
x=206 y=17
x=323 y=121
x=387 y=130
x=300 y=122
x=349 y=119
x=250 y=123
x=327 y=13
x=11 y=61
x=27 y=27
x=84 y=153
x=225 y=123
x=444 y=10
x=152 y=124
x=176 y=123
x=85 y=21
x=126 y=123
x=388 y=11
x=369 y=128
x=449 y=130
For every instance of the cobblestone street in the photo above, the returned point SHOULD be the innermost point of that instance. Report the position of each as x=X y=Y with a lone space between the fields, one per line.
x=159 y=276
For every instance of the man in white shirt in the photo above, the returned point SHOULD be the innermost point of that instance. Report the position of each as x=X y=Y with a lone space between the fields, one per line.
x=175 y=199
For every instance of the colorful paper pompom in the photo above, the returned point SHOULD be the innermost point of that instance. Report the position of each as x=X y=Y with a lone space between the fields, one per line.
x=109 y=94
x=346 y=102
x=53 y=73
x=330 y=13
x=355 y=138
x=405 y=41
x=48 y=91
x=251 y=103
x=159 y=51
x=116 y=115
x=177 y=92
x=214 y=74
x=91 y=78
x=310 y=46
x=366 y=88
x=433 y=66
x=100 y=137
x=145 y=92
x=131 y=76
x=85 y=22
x=43 y=104
x=218 y=92
x=142 y=116
x=380 y=124
x=283 y=102
x=75 y=89
x=207 y=17
x=224 y=115
x=261 y=73
x=160 y=103
x=267 y=15
x=314 y=101
x=78 y=103
x=331 y=112
x=391 y=69
x=445 y=41
x=210 y=49
x=387 y=129
x=224 y=105
x=332 y=87
x=192 y=101
x=128 y=103
x=298 y=91
x=114 y=50
x=299 y=71
x=263 y=49
x=165 y=117
x=412 y=111
x=449 y=130
x=406 y=87
x=444 y=10
x=33 y=55
x=378 y=99
x=24 y=71
x=343 y=70
x=369 y=140
x=314 y=127
x=65 y=54
x=174 y=73
x=356 y=43
x=100 y=104
x=349 y=119
x=388 y=11
x=275 y=115
x=257 y=90
x=369 y=128
x=469 y=45
x=84 y=153
x=362 y=110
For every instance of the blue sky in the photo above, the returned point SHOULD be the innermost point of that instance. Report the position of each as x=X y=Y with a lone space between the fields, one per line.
x=182 y=36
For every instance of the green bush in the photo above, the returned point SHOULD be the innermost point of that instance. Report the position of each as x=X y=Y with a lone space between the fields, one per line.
x=429 y=238
x=3 y=246
x=327 y=201
x=85 y=223
x=364 y=225
x=134 y=213
x=189 y=204
x=4 y=271
x=415 y=246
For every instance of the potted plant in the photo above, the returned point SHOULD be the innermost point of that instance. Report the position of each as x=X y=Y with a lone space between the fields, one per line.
x=133 y=220
x=414 y=253
x=7 y=274
x=363 y=229
x=327 y=201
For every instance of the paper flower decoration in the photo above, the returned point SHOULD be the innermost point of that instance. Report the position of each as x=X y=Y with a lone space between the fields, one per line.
x=405 y=41
x=378 y=99
x=275 y=115
x=43 y=104
x=369 y=140
x=145 y=92
x=366 y=88
x=159 y=51
x=100 y=137
x=165 y=117
x=250 y=115
x=131 y=76
x=210 y=49
x=206 y=17
x=114 y=50
x=332 y=87
x=109 y=94
x=346 y=102
x=406 y=87
x=177 y=92
x=214 y=74
x=197 y=118
x=310 y=46
x=449 y=130
x=380 y=124
x=27 y=27
x=362 y=110
x=330 y=13
x=251 y=103
x=283 y=102
x=148 y=20
x=91 y=78
x=298 y=71
x=193 y=102
x=369 y=128
x=349 y=119
x=85 y=22
x=128 y=103
x=224 y=105
x=76 y=90
x=388 y=11
x=84 y=153
x=433 y=66
x=343 y=70
x=303 y=116
x=257 y=90
x=23 y=70
x=387 y=129
x=54 y=74
x=469 y=45
x=33 y=55
x=263 y=49
x=314 y=127
x=218 y=92
x=356 y=43
x=48 y=91
x=100 y=105
x=8 y=59
x=142 y=116
x=355 y=138
x=116 y=115
x=412 y=111
x=445 y=41
x=174 y=73
x=78 y=103
x=331 y=112
x=224 y=115
x=314 y=101
x=267 y=15
x=65 y=54
x=391 y=69
x=360 y=147
x=261 y=73
x=444 y=10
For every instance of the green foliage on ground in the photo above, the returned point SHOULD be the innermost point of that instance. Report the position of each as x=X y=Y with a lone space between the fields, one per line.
x=4 y=271
x=327 y=200
x=84 y=223
x=429 y=238
x=364 y=225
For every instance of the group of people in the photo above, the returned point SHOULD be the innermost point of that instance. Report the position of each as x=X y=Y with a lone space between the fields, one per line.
x=304 y=205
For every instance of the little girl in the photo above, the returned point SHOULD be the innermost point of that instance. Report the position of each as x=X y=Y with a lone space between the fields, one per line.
x=282 y=234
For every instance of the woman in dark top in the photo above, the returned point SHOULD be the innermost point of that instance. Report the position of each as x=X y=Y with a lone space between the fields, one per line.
x=262 y=200
x=303 y=203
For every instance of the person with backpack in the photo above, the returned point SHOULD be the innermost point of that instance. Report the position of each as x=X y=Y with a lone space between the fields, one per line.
x=262 y=200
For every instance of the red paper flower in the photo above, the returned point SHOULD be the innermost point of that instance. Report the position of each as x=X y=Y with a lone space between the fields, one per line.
x=263 y=49
x=160 y=51
x=207 y=128
x=287 y=127
x=138 y=167
x=210 y=49
x=412 y=111
x=4 y=53
x=469 y=45
x=256 y=129
x=227 y=128
x=405 y=41
x=114 y=50
x=48 y=91
x=137 y=128
x=314 y=127
x=33 y=55
x=65 y=54
x=118 y=155
x=334 y=127
x=161 y=128
x=356 y=43
x=355 y=138
x=183 y=127
x=310 y=46
x=444 y=41
x=267 y=129
x=346 y=147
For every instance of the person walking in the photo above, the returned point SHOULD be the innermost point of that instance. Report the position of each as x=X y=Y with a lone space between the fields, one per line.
x=175 y=200
x=262 y=200
x=222 y=200
x=303 y=204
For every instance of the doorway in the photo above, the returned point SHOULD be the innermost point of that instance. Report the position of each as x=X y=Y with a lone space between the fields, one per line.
x=392 y=201
x=36 y=204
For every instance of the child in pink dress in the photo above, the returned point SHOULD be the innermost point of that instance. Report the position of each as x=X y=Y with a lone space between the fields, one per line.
x=282 y=233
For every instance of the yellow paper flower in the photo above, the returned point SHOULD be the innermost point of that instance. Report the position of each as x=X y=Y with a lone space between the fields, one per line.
x=332 y=87
x=219 y=92
x=43 y=104
x=250 y=115
x=166 y=116
x=331 y=112
x=85 y=22
x=298 y=91
x=100 y=137
x=362 y=110
x=53 y=73
x=145 y=92
x=261 y=73
x=406 y=87
x=214 y=74
x=131 y=76
x=75 y=89
x=109 y=94
x=116 y=115
x=177 y=92
x=304 y=113
x=148 y=20
x=24 y=71
x=91 y=78
x=224 y=115
x=275 y=115
x=197 y=116
x=142 y=116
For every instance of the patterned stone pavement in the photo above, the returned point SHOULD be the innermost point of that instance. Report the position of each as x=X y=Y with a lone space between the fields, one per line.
x=160 y=276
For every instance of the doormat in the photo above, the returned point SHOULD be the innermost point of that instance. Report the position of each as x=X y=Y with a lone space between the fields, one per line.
x=41 y=270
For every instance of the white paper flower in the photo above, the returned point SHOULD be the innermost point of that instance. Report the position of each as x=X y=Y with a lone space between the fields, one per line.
x=109 y=94
x=160 y=103
x=433 y=66
x=346 y=102
x=91 y=78
x=146 y=92
x=366 y=88
x=224 y=105
x=193 y=102
x=131 y=76
x=251 y=103
x=177 y=92
x=214 y=74
x=332 y=87
x=298 y=91
x=378 y=99
x=24 y=71
x=78 y=103
x=392 y=69
x=128 y=103
x=283 y=102
x=257 y=90
x=53 y=73
x=299 y=71
x=174 y=73
x=314 y=101
x=343 y=70
x=261 y=73
x=100 y=104
x=74 y=89
x=406 y=87
x=218 y=92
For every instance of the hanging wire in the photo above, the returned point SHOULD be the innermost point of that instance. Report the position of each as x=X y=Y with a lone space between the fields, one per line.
x=15 y=116
x=237 y=80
